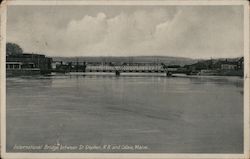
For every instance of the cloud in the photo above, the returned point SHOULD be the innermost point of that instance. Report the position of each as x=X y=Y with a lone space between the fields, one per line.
x=185 y=31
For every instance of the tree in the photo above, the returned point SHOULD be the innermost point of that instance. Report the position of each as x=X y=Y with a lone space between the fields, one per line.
x=13 y=49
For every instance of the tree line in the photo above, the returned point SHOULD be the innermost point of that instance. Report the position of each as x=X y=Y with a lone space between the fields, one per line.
x=13 y=49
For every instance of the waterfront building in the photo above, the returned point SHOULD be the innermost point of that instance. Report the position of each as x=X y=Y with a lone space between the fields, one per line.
x=23 y=64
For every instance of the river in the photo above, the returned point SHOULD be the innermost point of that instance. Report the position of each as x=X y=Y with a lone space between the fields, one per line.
x=160 y=114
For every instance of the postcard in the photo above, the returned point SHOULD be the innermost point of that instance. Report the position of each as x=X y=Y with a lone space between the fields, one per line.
x=125 y=79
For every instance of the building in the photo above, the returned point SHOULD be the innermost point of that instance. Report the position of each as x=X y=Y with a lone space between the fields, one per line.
x=240 y=63
x=229 y=65
x=22 y=64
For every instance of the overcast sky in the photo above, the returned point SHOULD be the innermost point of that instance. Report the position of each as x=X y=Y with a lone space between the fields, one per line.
x=184 y=31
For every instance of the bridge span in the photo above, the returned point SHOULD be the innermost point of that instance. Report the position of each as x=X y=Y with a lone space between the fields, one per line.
x=120 y=68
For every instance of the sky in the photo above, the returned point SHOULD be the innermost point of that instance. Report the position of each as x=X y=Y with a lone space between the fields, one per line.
x=181 y=31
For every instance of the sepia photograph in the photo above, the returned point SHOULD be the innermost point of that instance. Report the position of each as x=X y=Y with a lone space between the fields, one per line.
x=128 y=79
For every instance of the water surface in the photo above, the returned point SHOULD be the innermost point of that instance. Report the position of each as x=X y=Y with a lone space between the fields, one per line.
x=171 y=115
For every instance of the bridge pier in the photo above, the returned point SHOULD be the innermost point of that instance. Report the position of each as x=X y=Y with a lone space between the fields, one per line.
x=117 y=73
x=168 y=74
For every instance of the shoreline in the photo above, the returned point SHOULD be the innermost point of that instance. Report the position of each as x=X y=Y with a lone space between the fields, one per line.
x=125 y=74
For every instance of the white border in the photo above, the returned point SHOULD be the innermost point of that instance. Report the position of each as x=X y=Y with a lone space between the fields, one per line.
x=125 y=155
x=126 y=2
x=3 y=76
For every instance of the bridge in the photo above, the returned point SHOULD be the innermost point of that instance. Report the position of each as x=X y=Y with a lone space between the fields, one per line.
x=119 y=68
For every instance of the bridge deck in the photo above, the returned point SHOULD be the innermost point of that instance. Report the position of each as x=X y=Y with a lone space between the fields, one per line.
x=157 y=68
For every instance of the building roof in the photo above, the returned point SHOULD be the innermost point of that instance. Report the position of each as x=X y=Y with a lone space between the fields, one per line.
x=229 y=62
x=24 y=55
